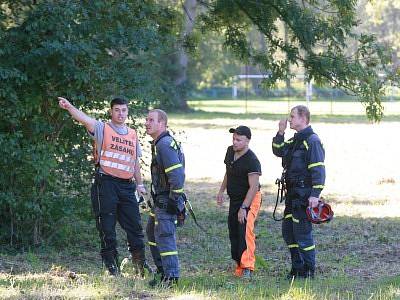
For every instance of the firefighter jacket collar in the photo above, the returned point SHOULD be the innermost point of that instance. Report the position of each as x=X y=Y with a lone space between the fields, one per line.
x=165 y=133
x=303 y=134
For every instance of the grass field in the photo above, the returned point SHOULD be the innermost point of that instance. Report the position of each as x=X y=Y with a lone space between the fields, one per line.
x=282 y=106
x=358 y=253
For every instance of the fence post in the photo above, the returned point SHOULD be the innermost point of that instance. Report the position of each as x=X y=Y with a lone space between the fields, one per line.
x=234 y=87
x=308 y=92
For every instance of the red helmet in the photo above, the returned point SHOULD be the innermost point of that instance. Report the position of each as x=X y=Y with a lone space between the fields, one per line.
x=320 y=214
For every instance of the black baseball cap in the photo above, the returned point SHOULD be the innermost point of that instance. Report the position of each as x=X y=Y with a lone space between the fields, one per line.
x=241 y=130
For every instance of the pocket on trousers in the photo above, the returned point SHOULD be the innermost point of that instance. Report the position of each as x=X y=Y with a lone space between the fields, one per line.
x=166 y=224
x=302 y=195
x=299 y=211
x=166 y=228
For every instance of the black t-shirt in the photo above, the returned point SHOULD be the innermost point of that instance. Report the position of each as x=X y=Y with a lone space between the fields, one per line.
x=237 y=172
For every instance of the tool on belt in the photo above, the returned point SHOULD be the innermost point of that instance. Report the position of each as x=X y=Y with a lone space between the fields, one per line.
x=280 y=196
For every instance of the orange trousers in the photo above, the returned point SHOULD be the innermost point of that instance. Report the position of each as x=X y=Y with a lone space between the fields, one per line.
x=242 y=237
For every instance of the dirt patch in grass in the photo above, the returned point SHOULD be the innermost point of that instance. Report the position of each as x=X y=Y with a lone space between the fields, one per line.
x=144 y=295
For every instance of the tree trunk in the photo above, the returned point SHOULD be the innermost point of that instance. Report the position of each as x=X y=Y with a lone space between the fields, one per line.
x=11 y=227
x=37 y=238
x=36 y=233
x=180 y=80
x=286 y=39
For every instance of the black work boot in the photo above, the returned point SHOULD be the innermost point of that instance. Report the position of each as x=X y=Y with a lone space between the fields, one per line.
x=139 y=262
x=110 y=260
x=292 y=274
x=169 y=282
x=158 y=277
x=297 y=264
x=295 y=273
x=163 y=282
x=112 y=269
x=308 y=272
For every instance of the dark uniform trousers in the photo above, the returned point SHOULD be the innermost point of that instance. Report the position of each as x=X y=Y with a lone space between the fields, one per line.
x=161 y=235
x=114 y=200
x=297 y=230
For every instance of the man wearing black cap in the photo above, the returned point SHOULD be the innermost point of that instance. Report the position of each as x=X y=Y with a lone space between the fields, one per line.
x=241 y=181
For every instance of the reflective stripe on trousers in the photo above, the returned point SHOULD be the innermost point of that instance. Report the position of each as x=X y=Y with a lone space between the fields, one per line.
x=297 y=233
x=161 y=234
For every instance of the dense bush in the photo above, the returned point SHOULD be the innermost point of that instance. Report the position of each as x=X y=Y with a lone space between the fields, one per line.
x=87 y=51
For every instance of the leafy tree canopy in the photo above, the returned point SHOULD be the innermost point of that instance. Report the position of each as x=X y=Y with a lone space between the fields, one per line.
x=319 y=32
x=88 y=51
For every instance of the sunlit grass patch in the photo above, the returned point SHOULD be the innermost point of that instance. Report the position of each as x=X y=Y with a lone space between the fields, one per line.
x=358 y=253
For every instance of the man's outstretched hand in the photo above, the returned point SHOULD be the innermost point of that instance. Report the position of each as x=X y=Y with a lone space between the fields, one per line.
x=64 y=103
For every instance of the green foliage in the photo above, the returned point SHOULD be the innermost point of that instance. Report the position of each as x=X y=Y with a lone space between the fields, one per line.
x=319 y=33
x=211 y=64
x=87 y=51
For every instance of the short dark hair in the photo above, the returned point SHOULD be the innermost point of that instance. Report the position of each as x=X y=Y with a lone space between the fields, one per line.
x=303 y=111
x=119 y=101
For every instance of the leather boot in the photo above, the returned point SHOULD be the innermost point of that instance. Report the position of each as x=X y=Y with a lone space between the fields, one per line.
x=157 y=278
x=139 y=262
x=169 y=282
x=110 y=261
x=308 y=272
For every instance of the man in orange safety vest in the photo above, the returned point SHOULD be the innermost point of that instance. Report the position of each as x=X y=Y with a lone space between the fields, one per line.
x=117 y=178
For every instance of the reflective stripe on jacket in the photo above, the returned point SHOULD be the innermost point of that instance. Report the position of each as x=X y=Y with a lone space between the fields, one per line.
x=118 y=153
x=167 y=166
x=303 y=158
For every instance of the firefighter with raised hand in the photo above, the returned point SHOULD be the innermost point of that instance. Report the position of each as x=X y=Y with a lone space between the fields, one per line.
x=304 y=174
x=241 y=181
x=168 y=177
x=117 y=152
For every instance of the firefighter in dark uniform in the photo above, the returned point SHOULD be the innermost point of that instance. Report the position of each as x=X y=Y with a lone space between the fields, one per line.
x=116 y=179
x=304 y=173
x=168 y=177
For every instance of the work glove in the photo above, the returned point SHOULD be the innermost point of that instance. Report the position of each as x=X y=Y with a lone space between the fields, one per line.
x=172 y=207
x=180 y=217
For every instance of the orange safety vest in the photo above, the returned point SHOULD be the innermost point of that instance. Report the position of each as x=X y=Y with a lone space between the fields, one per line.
x=118 y=153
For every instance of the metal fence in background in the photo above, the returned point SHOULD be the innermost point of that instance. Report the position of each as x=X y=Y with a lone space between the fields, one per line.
x=247 y=95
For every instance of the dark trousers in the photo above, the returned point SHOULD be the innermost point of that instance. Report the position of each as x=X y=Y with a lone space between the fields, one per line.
x=161 y=235
x=241 y=236
x=114 y=200
x=297 y=232
x=237 y=234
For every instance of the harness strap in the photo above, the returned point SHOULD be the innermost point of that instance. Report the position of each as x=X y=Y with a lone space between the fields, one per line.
x=189 y=207
x=280 y=196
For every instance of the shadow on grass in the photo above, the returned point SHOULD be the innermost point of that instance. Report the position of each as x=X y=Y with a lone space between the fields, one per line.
x=355 y=255
x=358 y=258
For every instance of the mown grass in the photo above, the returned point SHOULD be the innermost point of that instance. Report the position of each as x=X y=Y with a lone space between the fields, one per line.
x=320 y=118
x=358 y=258
x=358 y=253
x=283 y=105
